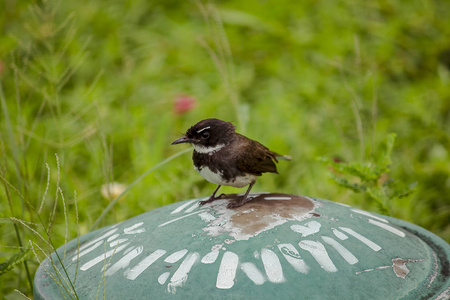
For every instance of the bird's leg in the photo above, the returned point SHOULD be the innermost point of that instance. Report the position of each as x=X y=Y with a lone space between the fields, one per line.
x=244 y=199
x=211 y=199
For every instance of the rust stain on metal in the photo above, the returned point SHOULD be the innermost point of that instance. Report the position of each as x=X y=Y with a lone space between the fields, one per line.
x=400 y=268
x=398 y=265
x=263 y=212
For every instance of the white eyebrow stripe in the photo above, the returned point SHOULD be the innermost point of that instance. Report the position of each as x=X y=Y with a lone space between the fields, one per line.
x=198 y=131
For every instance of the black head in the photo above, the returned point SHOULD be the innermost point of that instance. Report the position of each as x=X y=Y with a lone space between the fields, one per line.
x=208 y=133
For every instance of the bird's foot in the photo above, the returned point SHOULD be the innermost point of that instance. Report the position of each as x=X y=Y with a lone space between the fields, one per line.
x=239 y=203
x=211 y=199
x=201 y=203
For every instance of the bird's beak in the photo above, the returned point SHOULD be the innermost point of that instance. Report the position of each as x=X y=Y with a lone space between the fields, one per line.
x=183 y=139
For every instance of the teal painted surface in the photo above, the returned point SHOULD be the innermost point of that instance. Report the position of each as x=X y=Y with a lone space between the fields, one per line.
x=277 y=246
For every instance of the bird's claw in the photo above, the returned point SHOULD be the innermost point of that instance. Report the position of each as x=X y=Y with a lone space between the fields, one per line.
x=234 y=204
x=211 y=199
x=239 y=203
x=201 y=203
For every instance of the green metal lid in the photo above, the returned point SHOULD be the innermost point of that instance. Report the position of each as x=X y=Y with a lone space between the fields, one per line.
x=275 y=246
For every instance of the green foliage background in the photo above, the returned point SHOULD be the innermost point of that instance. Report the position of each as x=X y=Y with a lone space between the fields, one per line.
x=95 y=82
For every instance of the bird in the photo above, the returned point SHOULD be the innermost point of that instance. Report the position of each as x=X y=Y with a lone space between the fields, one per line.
x=224 y=157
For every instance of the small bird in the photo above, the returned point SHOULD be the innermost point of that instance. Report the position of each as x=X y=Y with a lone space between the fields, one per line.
x=225 y=157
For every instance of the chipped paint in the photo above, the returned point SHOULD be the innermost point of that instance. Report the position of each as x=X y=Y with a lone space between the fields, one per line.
x=272 y=266
x=445 y=295
x=217 y=247
x=102 y=257
x=400 y=268
x=113 y=237
x=180 y=218
x=227 y=270
x=86 y=251
x=256 y=216
x=363 y=239
x=124 y=261
x=277 y=198
x=181 y=275
x=434 y=271
x=176 y=256
x=229 y=241
x=134 y=272
x=134 y=229
x=368 y=214
x=253 y=273
x=128 y=250
x=344 y=252
x=327 y=247
x=293 y=257
x=309 y=228
x=94 y=241
x=117 y=242
x=210 y=257
x=192 y=207
x=206 y=216
x=163 y=278
x=319 y=253
x=373 y=269
x=388 y=228
x=183 y=206
x=339 y=234
x=398 y=265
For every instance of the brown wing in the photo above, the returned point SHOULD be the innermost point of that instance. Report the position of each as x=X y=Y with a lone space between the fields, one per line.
x=254 y=158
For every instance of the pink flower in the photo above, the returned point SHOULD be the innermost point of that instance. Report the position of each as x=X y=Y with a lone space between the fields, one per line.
x=183 y=104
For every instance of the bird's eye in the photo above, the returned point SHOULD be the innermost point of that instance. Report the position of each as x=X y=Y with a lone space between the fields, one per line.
x=205 y=135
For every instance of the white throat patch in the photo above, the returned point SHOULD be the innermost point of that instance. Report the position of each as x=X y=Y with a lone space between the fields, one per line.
x=209 y=150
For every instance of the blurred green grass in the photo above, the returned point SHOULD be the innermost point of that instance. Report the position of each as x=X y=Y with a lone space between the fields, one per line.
x=95 y=82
